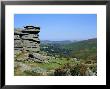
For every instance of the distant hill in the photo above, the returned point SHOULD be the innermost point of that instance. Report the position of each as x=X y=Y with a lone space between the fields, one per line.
x=86 y=49
x=55 y=42
x=90 y=43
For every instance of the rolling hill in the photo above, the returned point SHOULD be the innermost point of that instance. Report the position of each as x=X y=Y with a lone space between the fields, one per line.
x=86 y=49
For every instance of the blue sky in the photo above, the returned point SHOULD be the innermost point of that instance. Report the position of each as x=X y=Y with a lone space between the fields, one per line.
x=59 y=27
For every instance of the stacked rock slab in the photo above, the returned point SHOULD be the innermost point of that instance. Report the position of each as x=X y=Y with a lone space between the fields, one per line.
x=27 y=39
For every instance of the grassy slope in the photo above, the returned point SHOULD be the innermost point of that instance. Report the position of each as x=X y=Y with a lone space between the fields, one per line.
x=86 y=49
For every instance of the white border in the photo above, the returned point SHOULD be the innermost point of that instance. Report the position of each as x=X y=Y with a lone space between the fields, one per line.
x=100 y=79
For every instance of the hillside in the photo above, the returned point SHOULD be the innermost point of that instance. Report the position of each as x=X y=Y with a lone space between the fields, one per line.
x=85 y=49
x=61 y=59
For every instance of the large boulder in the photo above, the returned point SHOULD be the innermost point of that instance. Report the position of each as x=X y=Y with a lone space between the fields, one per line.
x=37 y=57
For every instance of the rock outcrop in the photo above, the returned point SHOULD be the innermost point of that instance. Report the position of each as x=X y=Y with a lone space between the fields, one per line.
x=27 y=39
x=38 y=57
x=27 y=45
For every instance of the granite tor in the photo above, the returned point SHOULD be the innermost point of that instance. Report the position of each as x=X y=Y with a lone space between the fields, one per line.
x=27 y=39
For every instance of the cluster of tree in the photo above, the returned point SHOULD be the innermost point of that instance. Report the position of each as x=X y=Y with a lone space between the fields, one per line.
x=55 y=49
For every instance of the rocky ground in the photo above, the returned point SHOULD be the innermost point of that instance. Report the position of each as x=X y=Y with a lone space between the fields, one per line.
x=37 y=64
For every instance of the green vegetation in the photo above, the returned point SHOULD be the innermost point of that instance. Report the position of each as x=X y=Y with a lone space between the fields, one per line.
x=86 y=49
x=65 y=59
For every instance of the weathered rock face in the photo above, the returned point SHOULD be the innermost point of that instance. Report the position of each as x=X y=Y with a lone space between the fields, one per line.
x=38 y=57
x=27 y=39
